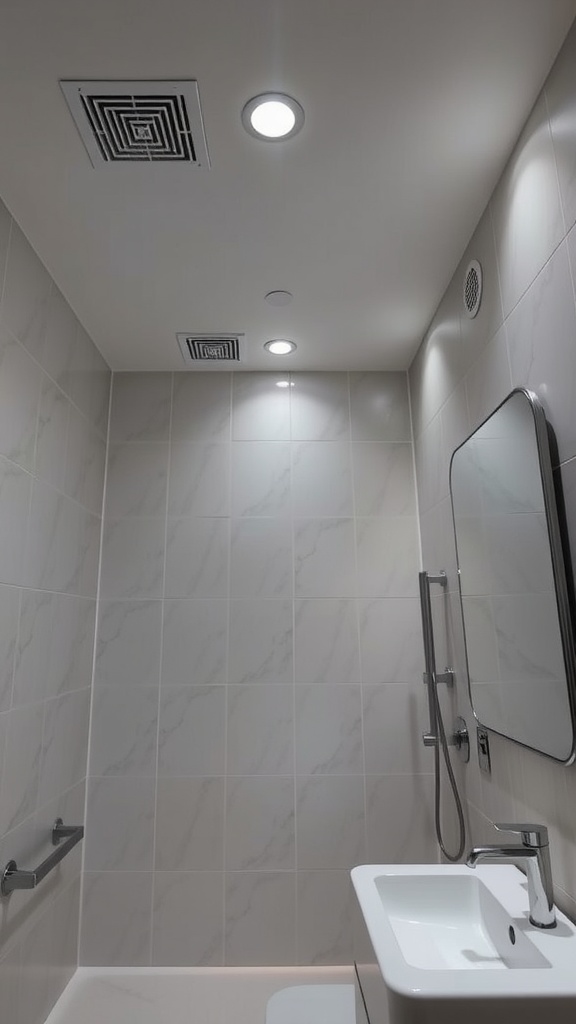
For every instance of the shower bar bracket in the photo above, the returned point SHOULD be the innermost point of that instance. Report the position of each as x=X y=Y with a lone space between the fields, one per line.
x=64 y=838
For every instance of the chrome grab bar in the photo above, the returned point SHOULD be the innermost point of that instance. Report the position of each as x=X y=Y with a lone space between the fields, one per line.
x=13 y=878
x=431 y=677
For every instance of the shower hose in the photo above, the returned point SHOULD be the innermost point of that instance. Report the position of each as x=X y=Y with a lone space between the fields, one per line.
x=441 y=741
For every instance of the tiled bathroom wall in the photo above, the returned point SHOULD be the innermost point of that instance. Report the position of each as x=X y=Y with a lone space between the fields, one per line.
x=524 y=335
x=54 y=389
x=257 y=693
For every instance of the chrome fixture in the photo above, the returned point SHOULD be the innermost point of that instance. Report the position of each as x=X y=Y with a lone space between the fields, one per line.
x=13 y=878
x=535 y=851
x=436 y=737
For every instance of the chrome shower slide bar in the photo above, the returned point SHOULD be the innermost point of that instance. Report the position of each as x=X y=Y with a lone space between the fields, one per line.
x=431 y=677
x=13 y=878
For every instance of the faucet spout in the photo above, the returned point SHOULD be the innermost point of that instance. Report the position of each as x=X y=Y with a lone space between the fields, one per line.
x=479 y=853
x=534 y=852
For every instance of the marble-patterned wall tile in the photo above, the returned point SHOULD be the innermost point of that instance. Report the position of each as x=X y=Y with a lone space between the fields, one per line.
x=260 y=918
x=260 y=410
x=195 y=635
x=326 y=641
x=129 y=643
x=405 y=800
x=33 y=646
x=137 y=479
x=393 y=626
x=489 y=380
x=85 y=462
x=329 y=730
x=190 y=824
x=540 y=335
x=330 y=821
x=260 y=732
x=10 y=981
x=141 y=404
x=322 y=479
x=52 y=434
x=5 y=229
x=387 y=553
x=133 y=558
x=21 y=765
x=261 y=558
x=179 y=898
x=27 y=287
x=379 y=407
x=260 y=824
x=324 y=558
x=201 y=407
x=324 y=901
x=116 y=919
x=124 y=729
x=383 y=479
x=260 y=644
x=120 y=824
x=192 y=730
x=320 y=407
x=59 y=341
x=20 y=382
x=197 y=558
x=261 y=478
x=64 y=743
x=430 y=461
x=199 y=479
x=9 y=611
x=15 y=491
x=391 y=712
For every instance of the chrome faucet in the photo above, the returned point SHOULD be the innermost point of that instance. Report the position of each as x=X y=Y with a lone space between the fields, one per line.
x=535 y=850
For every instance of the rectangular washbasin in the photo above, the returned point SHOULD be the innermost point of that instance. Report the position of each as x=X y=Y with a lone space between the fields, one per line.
x=441 y=942
x=453 y=922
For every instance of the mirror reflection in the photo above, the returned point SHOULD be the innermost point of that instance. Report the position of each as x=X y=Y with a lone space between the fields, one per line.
x=512 y=579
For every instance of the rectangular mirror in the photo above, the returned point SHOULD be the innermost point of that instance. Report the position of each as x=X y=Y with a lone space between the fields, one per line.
x=513 y=586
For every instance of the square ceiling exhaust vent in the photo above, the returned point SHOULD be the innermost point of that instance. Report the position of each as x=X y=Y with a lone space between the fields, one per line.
x=127 y=122
x=209 y=348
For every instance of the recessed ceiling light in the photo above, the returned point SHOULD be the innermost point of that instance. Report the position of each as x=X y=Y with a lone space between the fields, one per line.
x=272 y=116
x=279 y=298
x=280 y=347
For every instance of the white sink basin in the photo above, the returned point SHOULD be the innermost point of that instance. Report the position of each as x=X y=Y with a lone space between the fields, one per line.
x=448 y=940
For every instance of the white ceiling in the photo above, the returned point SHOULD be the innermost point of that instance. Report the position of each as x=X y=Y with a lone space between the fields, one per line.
x=412 y=107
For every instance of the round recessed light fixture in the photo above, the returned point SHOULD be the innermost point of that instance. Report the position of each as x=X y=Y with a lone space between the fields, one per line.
x=279 y=298
x=272 y=116
x=280 y=347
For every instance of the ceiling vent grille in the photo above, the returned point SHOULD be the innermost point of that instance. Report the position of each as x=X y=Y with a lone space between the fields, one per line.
x=210 y=348
x=472 y=288
x=128 y=122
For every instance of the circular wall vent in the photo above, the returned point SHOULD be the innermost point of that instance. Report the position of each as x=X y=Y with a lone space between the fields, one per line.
x=472 y=291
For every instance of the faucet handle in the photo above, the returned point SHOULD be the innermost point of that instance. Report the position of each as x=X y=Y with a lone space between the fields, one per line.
x=533 y=835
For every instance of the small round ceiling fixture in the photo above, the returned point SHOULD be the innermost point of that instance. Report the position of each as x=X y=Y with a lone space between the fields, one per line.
x=280 y=347
x=279 y=298
x=272 y=116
